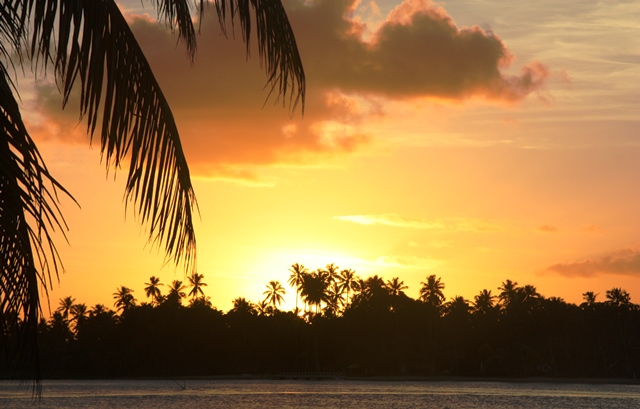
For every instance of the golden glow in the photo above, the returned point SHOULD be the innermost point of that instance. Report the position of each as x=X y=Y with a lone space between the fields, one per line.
x=473 y=190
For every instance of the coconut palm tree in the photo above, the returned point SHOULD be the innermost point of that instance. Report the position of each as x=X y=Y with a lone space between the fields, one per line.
x=98 y=309
x=176 y=292
x=295 y=279
x=335 y=299
x=89 y=46
x=395 y=286
x=66 y=304
x=124 y=298
x=263 y=308
x=431 y=291
x=508 y=291
x=347 y=280
x=483 y=303
x=274 y=294
x=152 y=290
x=457 y=306
x=529 y=296
x=79 y=313
x=314 y=286
x=196 y=283
x=242 y=306
x=331 y=270
x=589 y=298
x=617 y=296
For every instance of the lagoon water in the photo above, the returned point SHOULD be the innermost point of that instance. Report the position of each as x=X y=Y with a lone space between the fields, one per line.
x=244 y=394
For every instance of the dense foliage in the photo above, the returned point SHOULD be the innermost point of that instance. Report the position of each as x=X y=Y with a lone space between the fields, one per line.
x=345 y=324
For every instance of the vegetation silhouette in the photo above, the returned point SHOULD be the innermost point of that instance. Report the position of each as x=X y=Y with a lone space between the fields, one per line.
x=89 y=47
x=380 y=332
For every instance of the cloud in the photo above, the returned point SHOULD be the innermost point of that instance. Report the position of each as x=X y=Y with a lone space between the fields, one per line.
x=621 y=262
x=450 y=224
x=548 y=229
x=420 y=263
x=220 y=103
x=418 y=51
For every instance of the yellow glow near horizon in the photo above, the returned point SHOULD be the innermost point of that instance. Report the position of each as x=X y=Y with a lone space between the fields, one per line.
x=475 y=190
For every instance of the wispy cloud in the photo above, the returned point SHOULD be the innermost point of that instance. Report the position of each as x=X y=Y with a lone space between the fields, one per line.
x=451 y=224
x=621 y=262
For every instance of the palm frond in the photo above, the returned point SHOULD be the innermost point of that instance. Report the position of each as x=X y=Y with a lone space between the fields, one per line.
x=29 y=214
x=90 y=44
x=277 y=46
x=177 y=14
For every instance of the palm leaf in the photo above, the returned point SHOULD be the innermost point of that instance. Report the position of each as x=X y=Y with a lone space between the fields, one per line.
x=90 y=45
x=29 y=215
x=276 y=44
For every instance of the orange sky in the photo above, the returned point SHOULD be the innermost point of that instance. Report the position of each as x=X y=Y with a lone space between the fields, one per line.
x=477 y=141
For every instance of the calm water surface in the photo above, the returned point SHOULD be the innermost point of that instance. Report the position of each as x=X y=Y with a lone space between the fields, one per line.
x=241 y=394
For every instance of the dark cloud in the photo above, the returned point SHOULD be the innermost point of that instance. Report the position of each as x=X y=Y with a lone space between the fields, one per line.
x=622 y=262
x=417 y=52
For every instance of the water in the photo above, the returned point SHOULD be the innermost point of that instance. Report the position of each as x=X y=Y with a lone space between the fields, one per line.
x=245 y=394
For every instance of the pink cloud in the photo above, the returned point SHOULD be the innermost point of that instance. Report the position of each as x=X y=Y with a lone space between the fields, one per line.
x=417 y=52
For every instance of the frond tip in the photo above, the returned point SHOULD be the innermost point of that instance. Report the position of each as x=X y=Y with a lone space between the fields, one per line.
x=276 y=44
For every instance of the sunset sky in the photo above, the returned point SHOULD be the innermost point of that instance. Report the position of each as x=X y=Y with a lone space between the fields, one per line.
x=473 y=140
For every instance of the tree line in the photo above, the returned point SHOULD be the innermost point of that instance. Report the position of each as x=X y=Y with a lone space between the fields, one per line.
x=340 y=323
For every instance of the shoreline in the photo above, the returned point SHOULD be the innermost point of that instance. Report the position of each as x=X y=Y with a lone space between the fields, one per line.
x=425 y=379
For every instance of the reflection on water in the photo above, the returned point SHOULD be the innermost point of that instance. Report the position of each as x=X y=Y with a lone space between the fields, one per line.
x=241 y=394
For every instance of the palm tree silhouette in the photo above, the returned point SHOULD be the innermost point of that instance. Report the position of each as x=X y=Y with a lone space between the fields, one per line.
x=263 y=308
x=528 y=296
x=617 y=296
x=79 y=313
x=152 y=290
x=395 y=286
x=89 y=46
x=334 y=298
x=347 y=280
x=589 y=299
x=97 y=310
x=124 y=298
x=431 y=291
x=508 y=292
x=242 y=306
x=176 y=292
x=295 y=279
x=196 y=283
x=484 y=302
x=458 y=306
x=274 y=294
x=313 y=288
x=66 y=304
x=331 y=270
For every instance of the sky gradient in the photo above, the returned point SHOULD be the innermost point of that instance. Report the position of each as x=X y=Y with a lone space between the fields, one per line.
x=475 y=140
